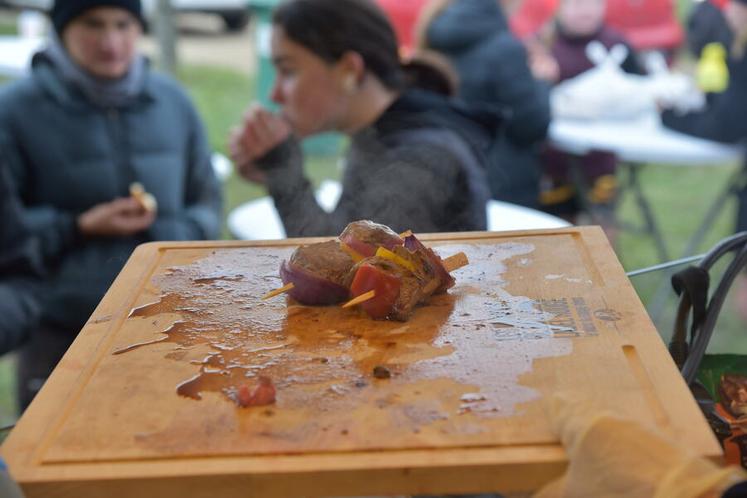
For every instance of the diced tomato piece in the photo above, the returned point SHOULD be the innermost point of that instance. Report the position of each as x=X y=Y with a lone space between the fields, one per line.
x=385 y=285
x=262 y=394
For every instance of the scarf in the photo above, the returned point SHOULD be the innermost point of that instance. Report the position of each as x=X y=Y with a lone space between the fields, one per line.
x=101 y=92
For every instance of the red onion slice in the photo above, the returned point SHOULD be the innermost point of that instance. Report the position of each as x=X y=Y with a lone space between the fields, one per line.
x=310 y=289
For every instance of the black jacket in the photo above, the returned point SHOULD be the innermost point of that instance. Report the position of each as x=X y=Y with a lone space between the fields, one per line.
x=20 y=264
x=725 y=118
x=20 y=254
x=492 y=68
x=707 y=24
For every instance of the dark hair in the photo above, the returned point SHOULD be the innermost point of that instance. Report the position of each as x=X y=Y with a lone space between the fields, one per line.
x=431 y=71
x=64 y=11
x=329 y=28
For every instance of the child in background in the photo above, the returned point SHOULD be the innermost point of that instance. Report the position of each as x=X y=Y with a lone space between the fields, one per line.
x=577 y=23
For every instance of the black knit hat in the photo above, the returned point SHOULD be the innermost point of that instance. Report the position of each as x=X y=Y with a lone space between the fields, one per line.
x=64 y=11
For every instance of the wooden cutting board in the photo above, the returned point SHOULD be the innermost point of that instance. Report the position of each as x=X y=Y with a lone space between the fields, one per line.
x=141 y=405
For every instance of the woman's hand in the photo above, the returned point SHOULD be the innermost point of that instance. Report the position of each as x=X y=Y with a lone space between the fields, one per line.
x=119 y=218
x=260 y=132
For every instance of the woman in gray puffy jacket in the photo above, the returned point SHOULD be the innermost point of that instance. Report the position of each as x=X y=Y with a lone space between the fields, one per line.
x=90 y=121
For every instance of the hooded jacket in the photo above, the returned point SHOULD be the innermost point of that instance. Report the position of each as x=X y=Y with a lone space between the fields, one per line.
x=67 y=155
x=493 y=70
x=20 y=260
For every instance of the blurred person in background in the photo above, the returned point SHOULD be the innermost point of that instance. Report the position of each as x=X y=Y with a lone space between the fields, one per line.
x=706 y=24
x=709 y=39
x=723 y=119
x=19 y=306
x=20 y=266
x=415 y=160
x=528 y=18
x=91 y=120
x=578 y=23
x=491 y=64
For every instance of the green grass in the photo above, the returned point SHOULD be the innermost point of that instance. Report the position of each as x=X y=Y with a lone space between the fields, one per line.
x=680 y=198
x=221 y=95
x=8 y=28
x=8 y=408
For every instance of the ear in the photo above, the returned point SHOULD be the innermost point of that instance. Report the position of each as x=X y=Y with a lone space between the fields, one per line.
x=351 y=67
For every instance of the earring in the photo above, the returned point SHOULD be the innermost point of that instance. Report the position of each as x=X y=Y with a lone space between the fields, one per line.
x=348 y=84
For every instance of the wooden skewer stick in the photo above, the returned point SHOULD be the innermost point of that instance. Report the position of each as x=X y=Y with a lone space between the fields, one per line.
x=278 y=291
x=455 y=262
x=405 y=234
x=360 y=299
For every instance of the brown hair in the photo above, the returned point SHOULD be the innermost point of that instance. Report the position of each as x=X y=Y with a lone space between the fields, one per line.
x=330 y=28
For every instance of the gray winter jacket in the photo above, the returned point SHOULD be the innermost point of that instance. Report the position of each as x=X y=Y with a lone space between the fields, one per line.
x=66 y=155
x=420 y=166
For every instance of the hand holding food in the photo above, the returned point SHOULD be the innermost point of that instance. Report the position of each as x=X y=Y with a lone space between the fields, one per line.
x=145 y=199
x=260 y=132
x=120 y=217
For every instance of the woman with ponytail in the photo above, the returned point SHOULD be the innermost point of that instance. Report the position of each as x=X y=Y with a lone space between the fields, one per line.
x=415 y=160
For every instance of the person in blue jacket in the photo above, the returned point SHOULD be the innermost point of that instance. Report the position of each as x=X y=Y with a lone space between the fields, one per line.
x=493 y=69
x=20 y=267
x=91 y=120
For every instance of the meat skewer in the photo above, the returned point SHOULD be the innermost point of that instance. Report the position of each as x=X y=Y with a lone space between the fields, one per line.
x=279 y=290
x=317 y=272
x=360 y=299
x=451 y=263
x=319 y=268
x=385 y=274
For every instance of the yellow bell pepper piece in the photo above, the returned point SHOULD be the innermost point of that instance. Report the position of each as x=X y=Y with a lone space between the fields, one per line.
x=383 y=252
x=352 y=252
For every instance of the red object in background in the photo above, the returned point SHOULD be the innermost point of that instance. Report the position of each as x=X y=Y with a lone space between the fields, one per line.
x=531 y=15
x=648 y=24
x=403 y=15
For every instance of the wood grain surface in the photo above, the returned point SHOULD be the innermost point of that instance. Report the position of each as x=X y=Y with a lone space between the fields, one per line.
x=143 y=403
